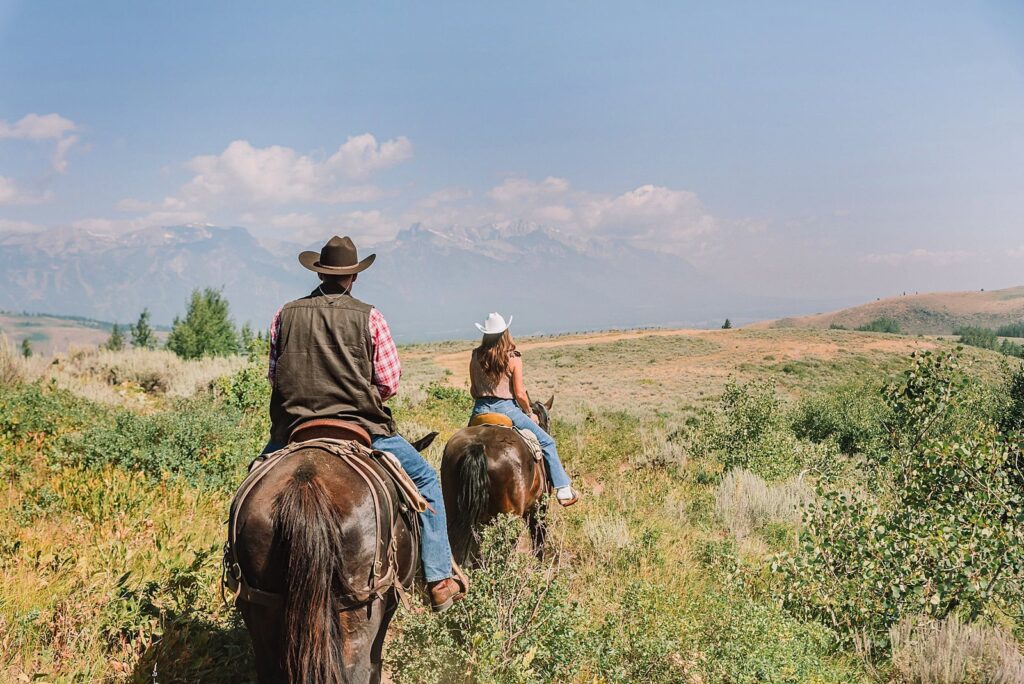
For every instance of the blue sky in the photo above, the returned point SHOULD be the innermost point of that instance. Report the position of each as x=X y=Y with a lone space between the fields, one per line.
x=800 y=148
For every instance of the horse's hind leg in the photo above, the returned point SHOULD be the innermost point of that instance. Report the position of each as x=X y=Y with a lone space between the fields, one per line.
x=377 y=650
x=536 y=521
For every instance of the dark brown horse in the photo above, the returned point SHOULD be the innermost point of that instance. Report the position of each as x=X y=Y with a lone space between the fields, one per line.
x=487 y=471
x=307 y=534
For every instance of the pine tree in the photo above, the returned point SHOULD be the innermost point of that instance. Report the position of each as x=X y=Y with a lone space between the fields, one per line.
x=143 y=336
x=26 y=348
x=727 y=324
x=206 y=330
x=245 y=338
x=116 y=340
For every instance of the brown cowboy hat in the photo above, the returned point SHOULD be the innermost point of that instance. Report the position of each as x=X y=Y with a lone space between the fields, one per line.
x=337 y=257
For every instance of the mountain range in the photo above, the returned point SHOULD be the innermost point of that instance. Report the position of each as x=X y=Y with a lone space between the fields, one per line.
x=430 y=284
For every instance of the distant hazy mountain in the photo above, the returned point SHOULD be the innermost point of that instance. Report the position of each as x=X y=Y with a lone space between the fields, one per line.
x=429 y=283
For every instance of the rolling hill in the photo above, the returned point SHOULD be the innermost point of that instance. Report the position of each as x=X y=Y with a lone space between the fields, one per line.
x=929 y=313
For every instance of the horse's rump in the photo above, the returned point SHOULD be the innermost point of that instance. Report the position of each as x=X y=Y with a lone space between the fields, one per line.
x=320 y=529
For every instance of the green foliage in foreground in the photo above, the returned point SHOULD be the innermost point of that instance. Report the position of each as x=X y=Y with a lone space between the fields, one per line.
x=944 y=535
x=882 y=325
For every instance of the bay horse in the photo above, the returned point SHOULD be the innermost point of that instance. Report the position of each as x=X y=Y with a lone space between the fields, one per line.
x=307 y=543
x=487 y=471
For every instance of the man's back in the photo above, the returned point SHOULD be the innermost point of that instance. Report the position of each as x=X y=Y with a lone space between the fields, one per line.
x=324 y=366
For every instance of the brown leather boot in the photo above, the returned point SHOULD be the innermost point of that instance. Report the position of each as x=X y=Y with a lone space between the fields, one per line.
x=445 y=593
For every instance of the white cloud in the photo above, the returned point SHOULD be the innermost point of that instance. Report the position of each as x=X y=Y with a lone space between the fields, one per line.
x=9 y=226
x=280 y=175
x=524 y=189
x=920 y=256
x=11 y=193
x=36 y=127
x=1017 y=253
x=44 y=127
x=650 y=214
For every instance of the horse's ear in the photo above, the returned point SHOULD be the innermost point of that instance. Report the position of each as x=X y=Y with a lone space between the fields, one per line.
x=423 y=442
x=550 y=402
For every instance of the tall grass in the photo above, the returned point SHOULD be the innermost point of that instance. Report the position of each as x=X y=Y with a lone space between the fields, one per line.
x=949 y=652
x=745 y=503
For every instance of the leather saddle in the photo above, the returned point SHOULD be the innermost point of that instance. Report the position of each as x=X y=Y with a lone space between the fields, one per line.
x=491 y=419
x=330 y=428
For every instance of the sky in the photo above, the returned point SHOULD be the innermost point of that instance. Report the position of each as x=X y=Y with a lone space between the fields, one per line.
x=798 y=149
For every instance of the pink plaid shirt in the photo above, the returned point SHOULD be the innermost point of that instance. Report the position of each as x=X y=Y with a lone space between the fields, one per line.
x=387 y=369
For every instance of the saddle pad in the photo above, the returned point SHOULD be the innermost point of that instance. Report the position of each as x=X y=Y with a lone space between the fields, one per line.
x=491 y=419
x=531 y=441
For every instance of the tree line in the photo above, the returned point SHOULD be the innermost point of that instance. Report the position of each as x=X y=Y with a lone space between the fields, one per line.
x=206 y=330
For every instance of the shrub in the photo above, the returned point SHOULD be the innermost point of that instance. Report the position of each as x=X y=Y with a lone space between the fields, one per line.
x=643 y=639
x=883 y=325
x=926 y=651
x=751 y=431
x=1010 y=416
x=11 y=367
x=37 y=411
x=945 y=536
x=198 y=440
x=851 y=415
x=519 y=626
x=92 y=372
x=745 y=641
x=745 y=503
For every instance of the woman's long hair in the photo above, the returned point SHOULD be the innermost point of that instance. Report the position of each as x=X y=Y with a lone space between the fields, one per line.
x=493 y=354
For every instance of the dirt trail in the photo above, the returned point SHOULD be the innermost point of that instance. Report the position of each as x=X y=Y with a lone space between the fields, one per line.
x=457 y=363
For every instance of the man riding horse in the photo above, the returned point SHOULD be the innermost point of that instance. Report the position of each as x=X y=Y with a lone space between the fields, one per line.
x=332 y=356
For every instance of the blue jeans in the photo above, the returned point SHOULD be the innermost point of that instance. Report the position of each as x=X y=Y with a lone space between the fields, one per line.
x=559 y=478
x=434 y=547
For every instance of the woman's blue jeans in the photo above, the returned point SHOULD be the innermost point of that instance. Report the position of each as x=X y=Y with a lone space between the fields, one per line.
x=434 y=547
x=559 y=478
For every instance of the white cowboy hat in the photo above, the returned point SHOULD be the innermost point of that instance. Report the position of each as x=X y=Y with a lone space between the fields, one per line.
x=494 y=324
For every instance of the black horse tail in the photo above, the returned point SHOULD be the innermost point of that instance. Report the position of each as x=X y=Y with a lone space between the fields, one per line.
x=311 y=528
x=476 y=486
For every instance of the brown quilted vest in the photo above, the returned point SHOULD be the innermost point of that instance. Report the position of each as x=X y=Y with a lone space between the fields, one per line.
x=325 y=367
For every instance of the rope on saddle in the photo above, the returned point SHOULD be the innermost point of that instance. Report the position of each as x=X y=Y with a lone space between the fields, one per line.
x=362 y=461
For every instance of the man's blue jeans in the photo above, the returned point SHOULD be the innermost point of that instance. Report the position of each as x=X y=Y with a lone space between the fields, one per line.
x=559 y=478
x=434 y=547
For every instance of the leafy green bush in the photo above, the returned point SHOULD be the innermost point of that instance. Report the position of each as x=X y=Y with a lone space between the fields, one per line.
x=852 y=415
x=518 y=626
x=751 y=431
x=883 y=325
x=944 y=535
x=199 y=440
x=745 y=641
x=40 y=411
x=248 y=389
x=642 y=639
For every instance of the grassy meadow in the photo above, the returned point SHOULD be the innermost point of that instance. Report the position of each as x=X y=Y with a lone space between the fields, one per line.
x=759 y=506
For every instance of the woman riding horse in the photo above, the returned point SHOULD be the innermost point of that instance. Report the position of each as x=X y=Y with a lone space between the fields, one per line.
x=496 y=383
